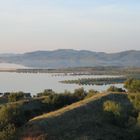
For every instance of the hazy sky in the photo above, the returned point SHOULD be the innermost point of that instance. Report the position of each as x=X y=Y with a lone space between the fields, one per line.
x=97 y=25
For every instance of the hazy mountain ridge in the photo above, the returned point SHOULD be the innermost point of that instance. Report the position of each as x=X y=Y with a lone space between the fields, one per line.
x=73 y=58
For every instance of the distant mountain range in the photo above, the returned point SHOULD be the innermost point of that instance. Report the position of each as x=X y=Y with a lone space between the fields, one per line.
x=73 y=58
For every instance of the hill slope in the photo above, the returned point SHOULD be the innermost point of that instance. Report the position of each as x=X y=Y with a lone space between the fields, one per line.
x=73 y=58
x=84 y=120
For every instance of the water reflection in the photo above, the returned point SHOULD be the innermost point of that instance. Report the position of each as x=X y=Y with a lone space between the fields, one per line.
x=36 y=82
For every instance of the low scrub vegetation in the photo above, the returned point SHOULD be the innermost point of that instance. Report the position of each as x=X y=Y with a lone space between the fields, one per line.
x=115 y=89
x=112 y=107
x=17 y=96
x=103 y=116
x=132 y=85
x=21 y=107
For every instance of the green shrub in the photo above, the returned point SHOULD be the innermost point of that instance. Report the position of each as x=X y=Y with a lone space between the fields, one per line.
x=56 y=101
x=11 y=114
x=135 y=100
x=16 y=96
x=46 y=92
x=10 y=119
x=119 y=114
x=80 y=93
x=132 y=85
x=115 y=89
x=91 y=93
x=112 y=107
x=8 y=132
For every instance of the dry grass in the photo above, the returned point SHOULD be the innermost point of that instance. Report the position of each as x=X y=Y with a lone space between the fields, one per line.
x=68 y=108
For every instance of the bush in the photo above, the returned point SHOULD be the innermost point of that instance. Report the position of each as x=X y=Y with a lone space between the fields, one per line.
x=91 y=93
x=11 y=114
x=11 y=117
x=8 y=132
x=80 y=93
x=56 y=101
x=119 y=114
x=115 y=89
x=6 y=94
x=112 y=107
x=16 y=96
x=46 y=92
x=135 y=100
x=132 y=85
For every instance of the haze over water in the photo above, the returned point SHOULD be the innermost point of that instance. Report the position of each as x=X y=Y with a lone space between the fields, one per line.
x=11 y=66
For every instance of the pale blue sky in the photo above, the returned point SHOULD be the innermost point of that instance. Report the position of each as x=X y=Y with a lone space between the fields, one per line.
x=97 y=25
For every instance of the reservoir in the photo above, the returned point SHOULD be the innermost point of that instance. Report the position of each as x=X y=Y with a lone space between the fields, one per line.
x=37 y=82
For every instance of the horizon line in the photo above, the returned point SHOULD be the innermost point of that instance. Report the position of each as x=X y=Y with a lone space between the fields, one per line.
x=49 y=50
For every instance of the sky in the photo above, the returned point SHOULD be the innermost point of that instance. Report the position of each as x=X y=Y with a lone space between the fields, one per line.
x=96 y=25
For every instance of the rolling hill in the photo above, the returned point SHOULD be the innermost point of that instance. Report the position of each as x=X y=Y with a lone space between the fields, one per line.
x=73 y=58
x=84 y=120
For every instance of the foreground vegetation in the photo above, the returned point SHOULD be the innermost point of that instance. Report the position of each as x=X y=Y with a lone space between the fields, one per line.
x=111 y=116
x=114 y=115
x=20 y=107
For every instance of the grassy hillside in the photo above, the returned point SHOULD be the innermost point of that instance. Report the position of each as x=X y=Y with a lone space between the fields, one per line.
x=87 y=120
x=16 y=109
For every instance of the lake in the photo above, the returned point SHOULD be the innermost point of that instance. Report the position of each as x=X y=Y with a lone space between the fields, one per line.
x=37 y=82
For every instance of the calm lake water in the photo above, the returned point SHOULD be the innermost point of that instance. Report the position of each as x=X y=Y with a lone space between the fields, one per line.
x=37 y=82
